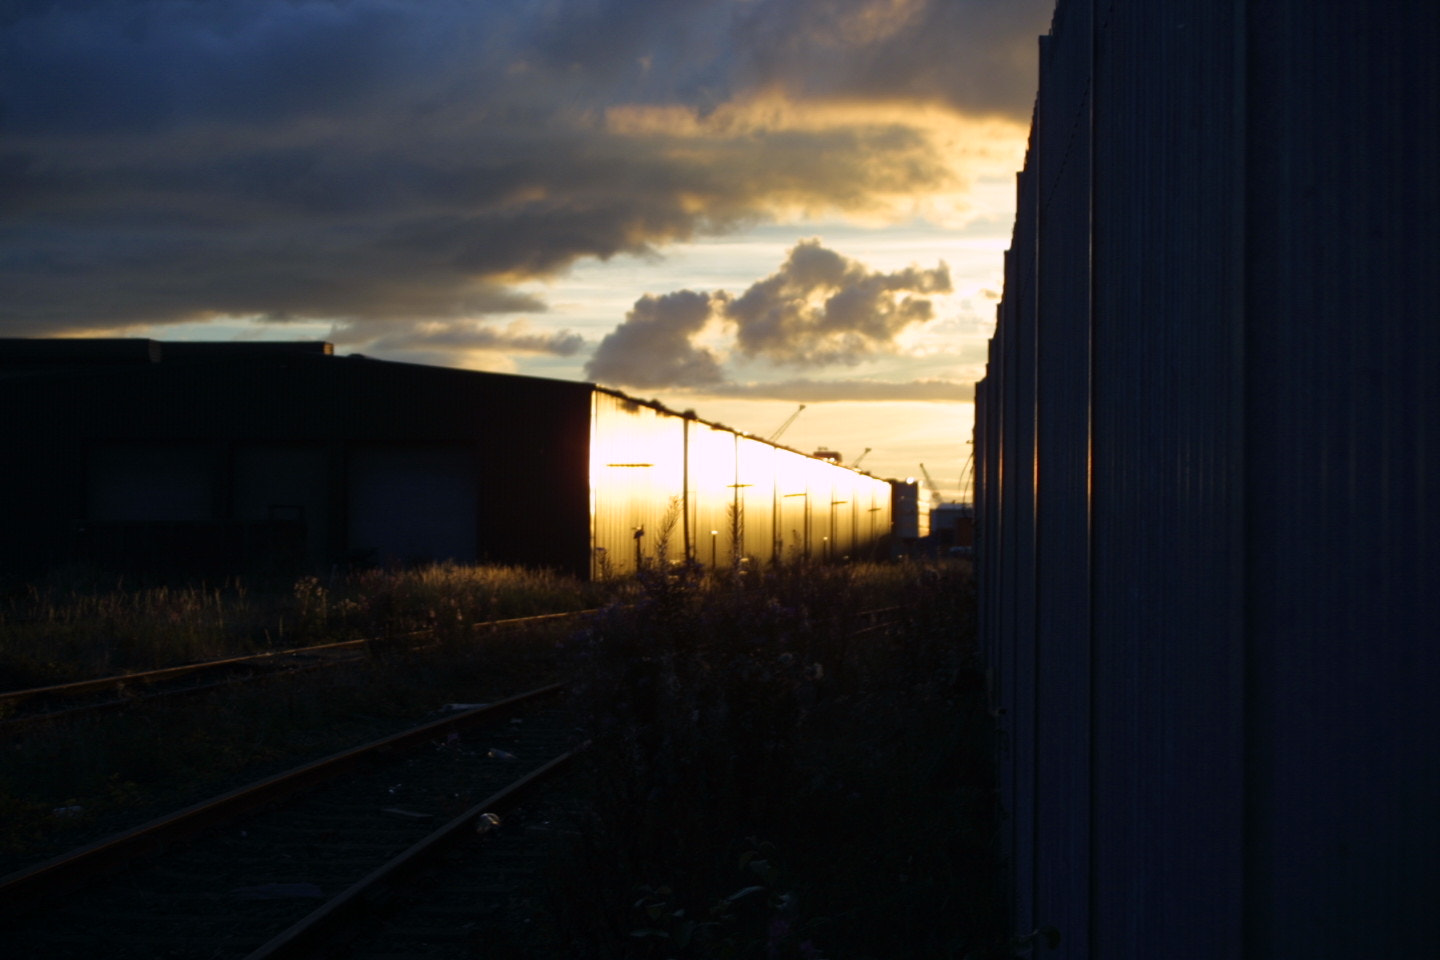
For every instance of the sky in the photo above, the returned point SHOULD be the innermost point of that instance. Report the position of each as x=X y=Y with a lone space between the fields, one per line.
x=730 y=206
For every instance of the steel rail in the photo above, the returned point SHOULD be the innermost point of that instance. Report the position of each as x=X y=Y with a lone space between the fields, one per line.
x=301 y=938
x=267 y=658
x=164 y=673
x=72 y=870
x=118 y=704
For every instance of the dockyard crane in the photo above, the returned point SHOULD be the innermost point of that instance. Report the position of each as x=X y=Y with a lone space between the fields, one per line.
x=786 y=425
x=930 y=484
x=862 y=456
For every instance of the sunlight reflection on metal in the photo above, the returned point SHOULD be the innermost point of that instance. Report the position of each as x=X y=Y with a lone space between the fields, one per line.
x=676 y=476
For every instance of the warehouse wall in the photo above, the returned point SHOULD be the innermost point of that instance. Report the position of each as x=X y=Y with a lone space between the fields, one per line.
x=698 y=490
x=216 y=460
x=1204 y=444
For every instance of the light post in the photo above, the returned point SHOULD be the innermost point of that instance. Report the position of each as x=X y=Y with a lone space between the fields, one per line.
x=713 y=535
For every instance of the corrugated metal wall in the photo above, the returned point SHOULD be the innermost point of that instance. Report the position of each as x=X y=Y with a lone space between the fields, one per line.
x=731 y=498
x=216 y=443
x=1205 y=441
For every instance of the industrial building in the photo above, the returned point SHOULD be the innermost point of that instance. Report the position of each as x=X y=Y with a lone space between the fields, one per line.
x=1207 y=452
x=221 y=457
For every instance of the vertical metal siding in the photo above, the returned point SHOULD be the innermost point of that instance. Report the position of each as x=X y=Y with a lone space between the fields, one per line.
x=1062 y=564
x=1343 y=461
x=1168 y=749
x=736 y=496
x=1206 y=441
x=636 y=484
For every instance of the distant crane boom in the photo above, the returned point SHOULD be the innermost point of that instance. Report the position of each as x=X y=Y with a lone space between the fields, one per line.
x=786 y=425
x=862 y=456
x=930 y=483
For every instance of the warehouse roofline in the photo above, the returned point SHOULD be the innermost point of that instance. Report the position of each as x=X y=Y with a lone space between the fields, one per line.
x=689 y=414
x=38 y=355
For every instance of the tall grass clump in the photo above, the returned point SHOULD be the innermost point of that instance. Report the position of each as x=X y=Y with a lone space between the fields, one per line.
x=773 y=781
x=80 y=626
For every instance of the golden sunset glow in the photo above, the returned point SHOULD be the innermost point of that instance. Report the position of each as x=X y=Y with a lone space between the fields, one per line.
x=671 y=487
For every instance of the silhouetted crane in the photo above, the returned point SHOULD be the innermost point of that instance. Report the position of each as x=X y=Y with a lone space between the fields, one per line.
x=786 y=425
x=930 y=483
x=861 y=457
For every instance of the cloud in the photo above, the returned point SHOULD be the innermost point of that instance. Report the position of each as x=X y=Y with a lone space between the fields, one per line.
x=821 y=308
x=395 y=340
x=855 y=389
x=164 y=162
x=976 y=56
x=654 y=346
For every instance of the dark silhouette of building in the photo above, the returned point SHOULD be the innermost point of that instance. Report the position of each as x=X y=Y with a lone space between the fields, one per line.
x=219 y=458
x=1208 y=445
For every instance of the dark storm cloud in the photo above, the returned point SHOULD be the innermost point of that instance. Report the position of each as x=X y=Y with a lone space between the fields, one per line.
x=654 y=346
x=373 y=160
x=818 y=309
x=822 y=308
x=975 y=55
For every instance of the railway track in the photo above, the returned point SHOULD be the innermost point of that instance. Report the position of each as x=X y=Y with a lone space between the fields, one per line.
x=60 y=701
x=277 y=868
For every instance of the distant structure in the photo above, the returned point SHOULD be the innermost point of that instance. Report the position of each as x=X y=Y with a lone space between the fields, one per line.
x=1207 y=463
x=216 y=458
x=952 y=528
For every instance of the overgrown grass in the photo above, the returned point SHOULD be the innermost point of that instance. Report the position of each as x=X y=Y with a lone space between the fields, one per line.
x=766 y=779
x=77 y=626
x=65 y=783
x=769 y=783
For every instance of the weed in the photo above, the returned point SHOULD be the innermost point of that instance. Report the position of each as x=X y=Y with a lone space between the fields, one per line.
x=719 y=714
